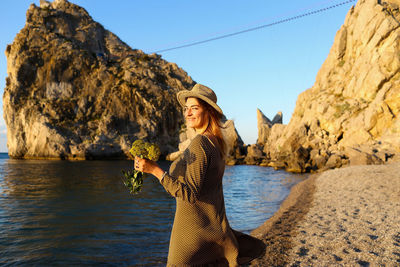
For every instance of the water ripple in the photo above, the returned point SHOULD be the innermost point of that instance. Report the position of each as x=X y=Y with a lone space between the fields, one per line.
x=79 y=213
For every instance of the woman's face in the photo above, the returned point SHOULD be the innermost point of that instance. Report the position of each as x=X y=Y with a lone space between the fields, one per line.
x=195 y=115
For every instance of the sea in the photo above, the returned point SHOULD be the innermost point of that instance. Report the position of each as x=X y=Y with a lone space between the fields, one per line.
x=64 y=213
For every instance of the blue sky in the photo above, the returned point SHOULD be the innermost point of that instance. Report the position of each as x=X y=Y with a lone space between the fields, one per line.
x=264 y=69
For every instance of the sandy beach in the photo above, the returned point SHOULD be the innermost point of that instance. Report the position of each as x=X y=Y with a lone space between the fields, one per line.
x=342 y=217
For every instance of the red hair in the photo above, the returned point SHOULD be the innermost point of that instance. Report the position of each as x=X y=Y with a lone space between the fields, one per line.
x=214 y=125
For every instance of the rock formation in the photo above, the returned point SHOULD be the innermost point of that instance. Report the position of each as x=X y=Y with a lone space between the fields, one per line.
x=264 y=125
x=352 y=113
x=74 y=90
x=255 y=154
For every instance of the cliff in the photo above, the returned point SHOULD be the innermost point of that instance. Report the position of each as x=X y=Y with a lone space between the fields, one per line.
x=351 y=114
x=76 y=91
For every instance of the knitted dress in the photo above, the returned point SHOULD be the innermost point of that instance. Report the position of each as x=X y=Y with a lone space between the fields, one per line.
x=201 y=233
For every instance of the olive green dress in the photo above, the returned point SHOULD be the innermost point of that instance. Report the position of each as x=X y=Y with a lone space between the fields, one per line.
x=201 y=234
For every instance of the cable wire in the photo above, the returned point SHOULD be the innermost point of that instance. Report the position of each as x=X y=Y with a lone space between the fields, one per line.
x=256 y=28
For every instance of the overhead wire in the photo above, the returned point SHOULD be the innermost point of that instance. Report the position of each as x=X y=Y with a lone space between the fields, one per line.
x=271 y=17
x=256 y=28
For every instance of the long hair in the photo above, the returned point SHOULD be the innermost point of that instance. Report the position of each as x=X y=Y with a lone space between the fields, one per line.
x=214 y=125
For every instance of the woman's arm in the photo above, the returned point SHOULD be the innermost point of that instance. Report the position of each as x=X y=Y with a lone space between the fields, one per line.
x=196 y=164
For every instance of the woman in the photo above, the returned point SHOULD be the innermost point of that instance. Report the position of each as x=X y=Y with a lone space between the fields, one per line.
x=201 y=234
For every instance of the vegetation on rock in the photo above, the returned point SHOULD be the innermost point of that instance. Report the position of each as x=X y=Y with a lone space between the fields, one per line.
x=76 y=91
x=352 y=113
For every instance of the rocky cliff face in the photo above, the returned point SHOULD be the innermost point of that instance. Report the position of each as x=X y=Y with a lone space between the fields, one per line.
x=74 y=90
x=254 y=152
x=264 y=125
x=352 y=113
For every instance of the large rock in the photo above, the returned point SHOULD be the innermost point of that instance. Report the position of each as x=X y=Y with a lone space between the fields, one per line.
x=264 y=125
x=254 y=155
x=355 y=101
x=234 y=143
x=75 y=90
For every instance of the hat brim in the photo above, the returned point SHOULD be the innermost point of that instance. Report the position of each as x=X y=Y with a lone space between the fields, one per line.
x=183 y=95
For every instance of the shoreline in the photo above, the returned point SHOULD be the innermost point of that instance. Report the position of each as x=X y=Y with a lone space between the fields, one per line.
x=338 y=217
x=277 y=230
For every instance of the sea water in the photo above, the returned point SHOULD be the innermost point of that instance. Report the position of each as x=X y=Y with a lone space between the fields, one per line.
x=79 y=213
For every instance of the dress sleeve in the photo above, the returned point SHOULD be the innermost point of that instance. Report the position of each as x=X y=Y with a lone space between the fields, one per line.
x=195 y=157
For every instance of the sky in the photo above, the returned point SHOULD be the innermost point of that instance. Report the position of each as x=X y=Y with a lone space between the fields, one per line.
x=265 y=69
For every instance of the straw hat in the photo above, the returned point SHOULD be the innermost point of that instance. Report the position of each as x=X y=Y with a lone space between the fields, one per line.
x=202 y=92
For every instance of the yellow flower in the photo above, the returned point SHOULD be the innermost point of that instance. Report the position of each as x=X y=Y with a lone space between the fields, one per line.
x=133 y=180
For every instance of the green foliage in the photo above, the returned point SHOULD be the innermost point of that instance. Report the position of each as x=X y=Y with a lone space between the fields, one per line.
x=341 y=109
x=145 y=150
x=153 y=152
x=133 y=179
x=341 y=63
x=138 y=148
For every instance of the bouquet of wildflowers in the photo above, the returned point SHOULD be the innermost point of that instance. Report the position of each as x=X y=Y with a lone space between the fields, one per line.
x=133 y=179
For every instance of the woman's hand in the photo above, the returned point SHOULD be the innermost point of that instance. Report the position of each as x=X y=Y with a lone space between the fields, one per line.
x=148 y=166
x=144 y=165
